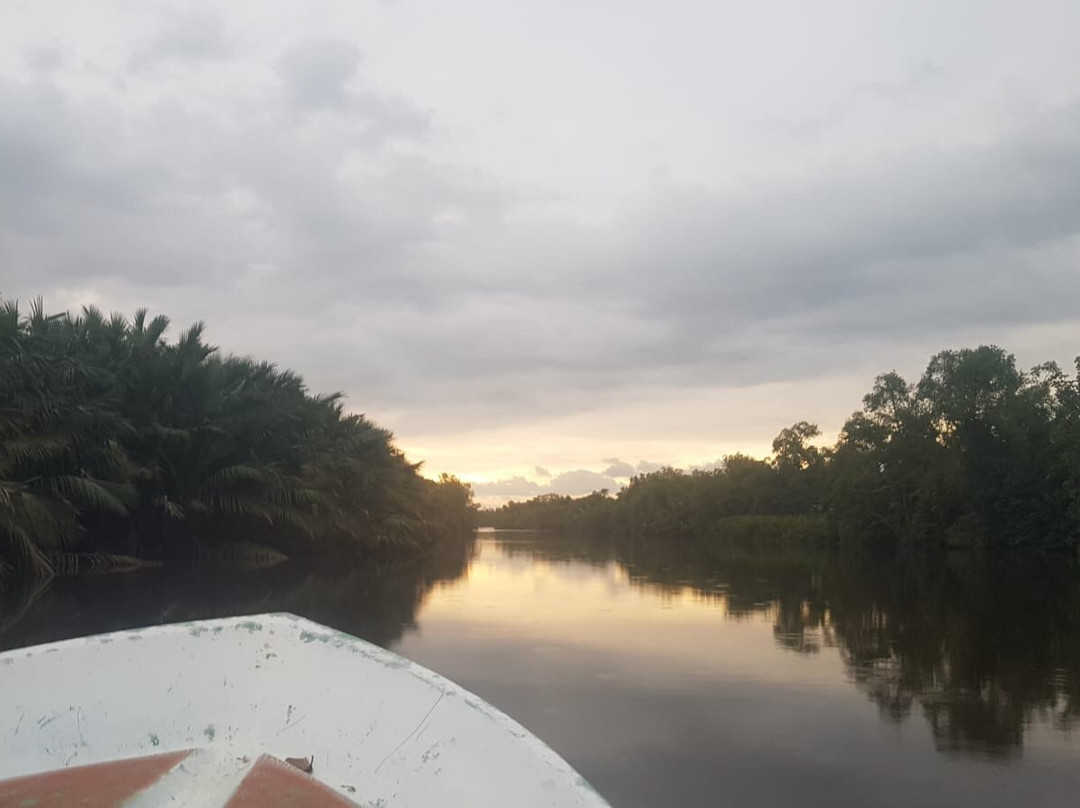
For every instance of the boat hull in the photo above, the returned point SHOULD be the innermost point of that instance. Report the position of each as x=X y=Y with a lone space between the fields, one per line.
x=381 y=730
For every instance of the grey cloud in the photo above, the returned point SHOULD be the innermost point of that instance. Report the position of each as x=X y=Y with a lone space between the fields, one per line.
x=540 y=471
x=430 y=288
x=918 y=78
x=712 y=465
x=317 y=74
x=321 y=76
x=44 y=58
x=58 y=177
x=785 y=284
x=647 y=467
x=618 y=468
x=578 y=482
x=191 y=35
x=172 y=198
x=581 y=481
x=508 y=489
x=801 y=248
x=923 y=73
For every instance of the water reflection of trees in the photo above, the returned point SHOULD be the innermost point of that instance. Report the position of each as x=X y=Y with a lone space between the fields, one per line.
x=374 y=598
x=982 y=647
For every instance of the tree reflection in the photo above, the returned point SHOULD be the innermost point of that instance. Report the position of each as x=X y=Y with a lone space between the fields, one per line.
x=984 y=646
x=981 y=646
x=375 y=598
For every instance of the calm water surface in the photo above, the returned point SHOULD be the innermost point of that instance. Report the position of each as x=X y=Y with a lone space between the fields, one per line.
x=670 y=677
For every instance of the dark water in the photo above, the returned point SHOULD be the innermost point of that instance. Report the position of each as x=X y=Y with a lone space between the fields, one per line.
x=673 y=676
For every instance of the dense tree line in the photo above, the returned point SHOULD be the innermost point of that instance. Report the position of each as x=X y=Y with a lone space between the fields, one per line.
x=976 y=452
x=114 y=439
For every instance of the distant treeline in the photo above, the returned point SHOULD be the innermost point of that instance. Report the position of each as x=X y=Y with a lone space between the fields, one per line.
x=977 y=452
x=116 y=440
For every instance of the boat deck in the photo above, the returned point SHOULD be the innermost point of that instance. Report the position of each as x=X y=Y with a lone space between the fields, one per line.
x=191 y=777
x=182 y=714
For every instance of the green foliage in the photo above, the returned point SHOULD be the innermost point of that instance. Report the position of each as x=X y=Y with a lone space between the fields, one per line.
x=773 y=532
x=977 y=452
x=591 y=514
x=675 y=504
x=114 y=440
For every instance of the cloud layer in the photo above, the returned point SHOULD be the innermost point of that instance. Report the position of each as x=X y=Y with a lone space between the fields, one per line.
x=423 y=210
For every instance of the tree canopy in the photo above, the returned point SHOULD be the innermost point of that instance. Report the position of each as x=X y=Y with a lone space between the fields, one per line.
x=114 y=439
x=976 y=452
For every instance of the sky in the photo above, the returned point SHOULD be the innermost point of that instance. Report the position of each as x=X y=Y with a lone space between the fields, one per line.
x=553 y=244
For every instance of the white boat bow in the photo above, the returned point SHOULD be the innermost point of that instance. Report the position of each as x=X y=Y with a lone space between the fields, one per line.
x=209 y=698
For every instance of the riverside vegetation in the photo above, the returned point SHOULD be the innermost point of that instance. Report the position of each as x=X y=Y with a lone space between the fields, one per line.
x=117 y=444
x=976 y=453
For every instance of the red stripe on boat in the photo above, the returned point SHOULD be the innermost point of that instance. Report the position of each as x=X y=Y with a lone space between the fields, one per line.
x=272 y=782
x=99 y=785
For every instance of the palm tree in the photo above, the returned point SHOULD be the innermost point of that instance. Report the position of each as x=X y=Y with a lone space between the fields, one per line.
x=113 y=438
x=60 y=439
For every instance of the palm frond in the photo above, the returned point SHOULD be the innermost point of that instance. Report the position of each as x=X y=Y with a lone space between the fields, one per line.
x=248 y=556
x=83 y=563
x=168 y=507
x=101 y=417
x=240 y=474
x=89 y=493
x=35 y=450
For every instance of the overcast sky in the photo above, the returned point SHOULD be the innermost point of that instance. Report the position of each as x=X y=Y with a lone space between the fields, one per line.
x=545 y=242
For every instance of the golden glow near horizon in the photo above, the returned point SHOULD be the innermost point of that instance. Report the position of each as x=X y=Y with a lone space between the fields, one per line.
x=503 y=457
x=690 y=430
x=549 y=603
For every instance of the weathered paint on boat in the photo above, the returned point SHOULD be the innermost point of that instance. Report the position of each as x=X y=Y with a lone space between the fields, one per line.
x=383 y=731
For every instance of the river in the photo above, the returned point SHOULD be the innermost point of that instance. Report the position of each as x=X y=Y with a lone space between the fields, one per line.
x=679 y=676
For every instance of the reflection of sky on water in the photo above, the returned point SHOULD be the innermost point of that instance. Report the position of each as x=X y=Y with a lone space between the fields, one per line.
x=672 y=635
x=664 y=696
x=695 y=675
